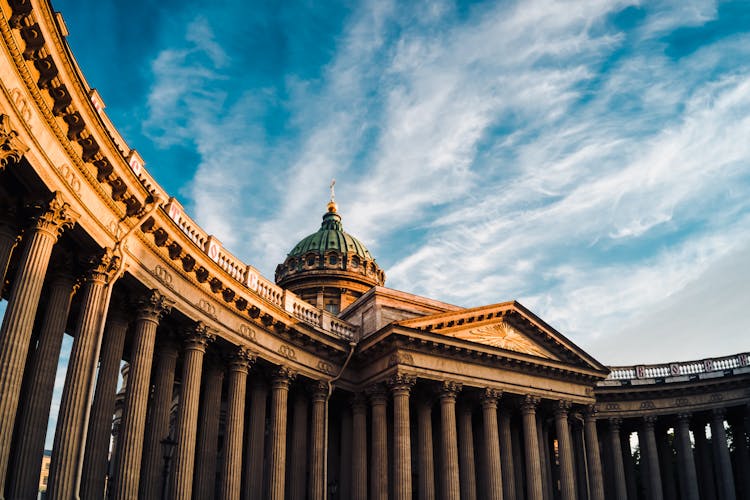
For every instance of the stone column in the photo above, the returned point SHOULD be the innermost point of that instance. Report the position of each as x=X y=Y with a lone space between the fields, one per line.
x=531 y=442
x=379 y=462
x=8 y=238
x=542 y=432
x=345 y=452
x=705 y=461
x=652 y=458
x=33 y=411
x=449 y=473
x=277 y=456
x=70 y=432
x=618 y=467
x=254 y=483
x=666 y=459
x=97 y=454
x=426 y=488
x=401 y=385
x=196 y=342
x=579 y=459
x=565 y=444
x=359 y=447
x=317 y=441
x=467 y=466
x=150 y=310
x=596 y=478
x=209 y=415
x=157 y=429
x=627 y=454
x=18 y=321
x=239 y=365
x=743 y=458
x=721 y=452
x=299 y=459
x=494 y=473
x=686 y=463
x=506 y=456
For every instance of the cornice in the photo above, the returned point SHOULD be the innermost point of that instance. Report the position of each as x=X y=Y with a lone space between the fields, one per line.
x=396 y=336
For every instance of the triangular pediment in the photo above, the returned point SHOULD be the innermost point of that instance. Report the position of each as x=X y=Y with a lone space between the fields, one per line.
x=508 y=326
x=500 y=334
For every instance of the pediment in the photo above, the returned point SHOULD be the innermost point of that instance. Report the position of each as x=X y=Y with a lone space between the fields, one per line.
x=508 y=326
x=500 y=334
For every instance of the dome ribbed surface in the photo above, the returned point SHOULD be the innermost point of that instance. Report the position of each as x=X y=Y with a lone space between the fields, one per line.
x=330 y=237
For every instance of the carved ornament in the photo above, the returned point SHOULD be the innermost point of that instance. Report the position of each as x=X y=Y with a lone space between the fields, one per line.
x=400 y=358
x=11 y=148
x=242 y=359
x=501 y=335
x=56 y=215
x=154 y=306
x=199 y=337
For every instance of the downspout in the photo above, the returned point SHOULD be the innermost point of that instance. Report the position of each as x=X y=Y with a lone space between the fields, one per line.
x=352 y=347
x=116 y=250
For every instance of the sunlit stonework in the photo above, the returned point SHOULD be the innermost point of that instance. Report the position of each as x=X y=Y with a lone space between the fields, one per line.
x=500 y=335
x=194 y=376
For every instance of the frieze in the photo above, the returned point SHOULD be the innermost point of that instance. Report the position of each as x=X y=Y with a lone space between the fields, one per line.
x=247 y=332
x=647 y=405
x=287 y=352
x=70 y=177
x=207 y=307
x=400 y=358
x=325 y=367
x=681 y=402
x=716 y=397
x=612 y=406
x=164 y=276
x=22 y=105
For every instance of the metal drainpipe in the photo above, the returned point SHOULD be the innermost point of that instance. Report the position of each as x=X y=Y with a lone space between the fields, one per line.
x=352 y=346
x=117 y=249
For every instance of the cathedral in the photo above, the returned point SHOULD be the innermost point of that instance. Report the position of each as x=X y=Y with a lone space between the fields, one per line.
x=320 y=384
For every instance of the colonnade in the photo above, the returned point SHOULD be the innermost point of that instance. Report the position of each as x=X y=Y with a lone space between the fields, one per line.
x=672 y=464
x=186 y=384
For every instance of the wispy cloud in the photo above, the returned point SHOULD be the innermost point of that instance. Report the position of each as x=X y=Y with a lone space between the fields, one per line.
x=564 y=154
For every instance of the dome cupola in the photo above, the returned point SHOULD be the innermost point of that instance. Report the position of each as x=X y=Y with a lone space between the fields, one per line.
x=329 y=268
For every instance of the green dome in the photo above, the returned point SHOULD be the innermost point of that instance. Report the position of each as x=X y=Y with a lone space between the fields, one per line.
x=332 y=257
x=331 y=237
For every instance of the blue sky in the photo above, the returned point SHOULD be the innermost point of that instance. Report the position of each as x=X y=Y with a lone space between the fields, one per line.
x=588 y=158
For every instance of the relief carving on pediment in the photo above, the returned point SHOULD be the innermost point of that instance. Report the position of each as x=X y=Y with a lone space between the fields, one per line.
x=504 y=336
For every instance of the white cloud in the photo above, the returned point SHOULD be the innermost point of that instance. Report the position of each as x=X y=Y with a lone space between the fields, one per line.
x=528 y=171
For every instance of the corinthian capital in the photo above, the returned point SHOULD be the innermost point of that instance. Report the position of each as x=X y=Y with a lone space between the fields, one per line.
x=198 y=337
x=11 y=148
x=55 y=216
x=401 y=382
x=102 y=267
x=449 y=389
x=153 y=306
x=529 y=404
x=242 y=359
x=490 y=397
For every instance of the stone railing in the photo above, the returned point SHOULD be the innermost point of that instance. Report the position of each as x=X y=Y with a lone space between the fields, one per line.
x=679 y=371
x=249 y=277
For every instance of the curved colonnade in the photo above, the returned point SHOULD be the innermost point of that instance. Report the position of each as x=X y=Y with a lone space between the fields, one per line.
x=264 y=395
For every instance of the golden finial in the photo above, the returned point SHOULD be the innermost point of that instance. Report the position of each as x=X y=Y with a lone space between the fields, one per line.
x=332 y=207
